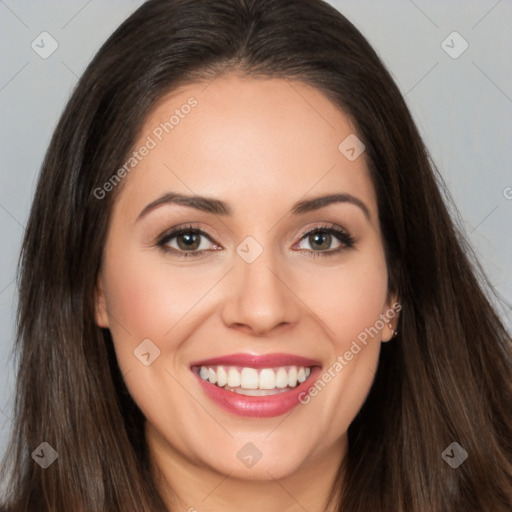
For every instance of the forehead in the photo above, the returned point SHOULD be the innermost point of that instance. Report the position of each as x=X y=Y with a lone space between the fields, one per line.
x=265 y=141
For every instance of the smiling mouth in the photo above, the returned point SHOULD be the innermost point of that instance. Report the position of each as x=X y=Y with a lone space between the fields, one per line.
x=254 y=381
x=256 y=385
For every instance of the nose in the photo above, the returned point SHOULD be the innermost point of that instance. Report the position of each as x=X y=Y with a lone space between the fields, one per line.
x=260 y=297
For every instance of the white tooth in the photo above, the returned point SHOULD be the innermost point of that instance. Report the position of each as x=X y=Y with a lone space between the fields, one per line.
x=292 y=376
x=259 y=392
x=222 y=376
x=308 y=372
x=249 y=378
x=281 y=378
x=301 y=375
x=233 y=378
x=212 y=376
x=267 y=379
x=203 y=373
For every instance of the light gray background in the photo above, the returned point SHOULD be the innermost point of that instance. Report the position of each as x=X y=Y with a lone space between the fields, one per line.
x=462 y=106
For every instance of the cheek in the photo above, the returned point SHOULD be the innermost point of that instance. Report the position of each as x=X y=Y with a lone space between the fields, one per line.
x=147 y=297
x=150 y=300
x=349 y=298
x=349 y=302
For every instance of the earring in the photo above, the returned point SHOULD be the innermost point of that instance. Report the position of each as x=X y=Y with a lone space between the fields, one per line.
x=390 y=325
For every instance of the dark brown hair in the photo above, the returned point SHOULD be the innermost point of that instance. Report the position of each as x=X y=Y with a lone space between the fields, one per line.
x=445 y=378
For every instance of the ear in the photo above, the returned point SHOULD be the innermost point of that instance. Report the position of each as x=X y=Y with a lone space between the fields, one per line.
x=390 y=317
x=101 y=315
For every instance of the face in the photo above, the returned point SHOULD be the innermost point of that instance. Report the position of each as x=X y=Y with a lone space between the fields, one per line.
x=246 y=312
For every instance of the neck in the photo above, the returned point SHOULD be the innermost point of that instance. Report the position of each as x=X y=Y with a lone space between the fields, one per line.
x=192 y=487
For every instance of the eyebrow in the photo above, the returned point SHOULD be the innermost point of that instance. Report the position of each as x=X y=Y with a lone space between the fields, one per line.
x=217 y=207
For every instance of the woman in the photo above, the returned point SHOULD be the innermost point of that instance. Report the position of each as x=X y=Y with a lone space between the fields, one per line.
x=235 y=214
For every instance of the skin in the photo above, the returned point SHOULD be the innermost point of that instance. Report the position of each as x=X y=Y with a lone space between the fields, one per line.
x=261 y=146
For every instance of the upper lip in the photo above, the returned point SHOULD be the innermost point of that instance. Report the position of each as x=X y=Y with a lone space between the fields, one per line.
x=258 y=361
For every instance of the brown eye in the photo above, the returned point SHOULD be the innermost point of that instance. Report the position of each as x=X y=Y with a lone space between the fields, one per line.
x=320 y=241
x=188 y=241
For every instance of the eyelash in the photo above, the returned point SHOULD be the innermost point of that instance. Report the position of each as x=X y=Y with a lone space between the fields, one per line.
x=343 y=237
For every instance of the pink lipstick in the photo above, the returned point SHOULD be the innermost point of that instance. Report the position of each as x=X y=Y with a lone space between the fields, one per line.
x=258 y=386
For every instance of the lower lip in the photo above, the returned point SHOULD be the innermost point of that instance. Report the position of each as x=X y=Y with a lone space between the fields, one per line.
x=258 y=406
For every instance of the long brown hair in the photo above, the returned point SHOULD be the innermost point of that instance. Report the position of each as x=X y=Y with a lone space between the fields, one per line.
x=445 y=378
